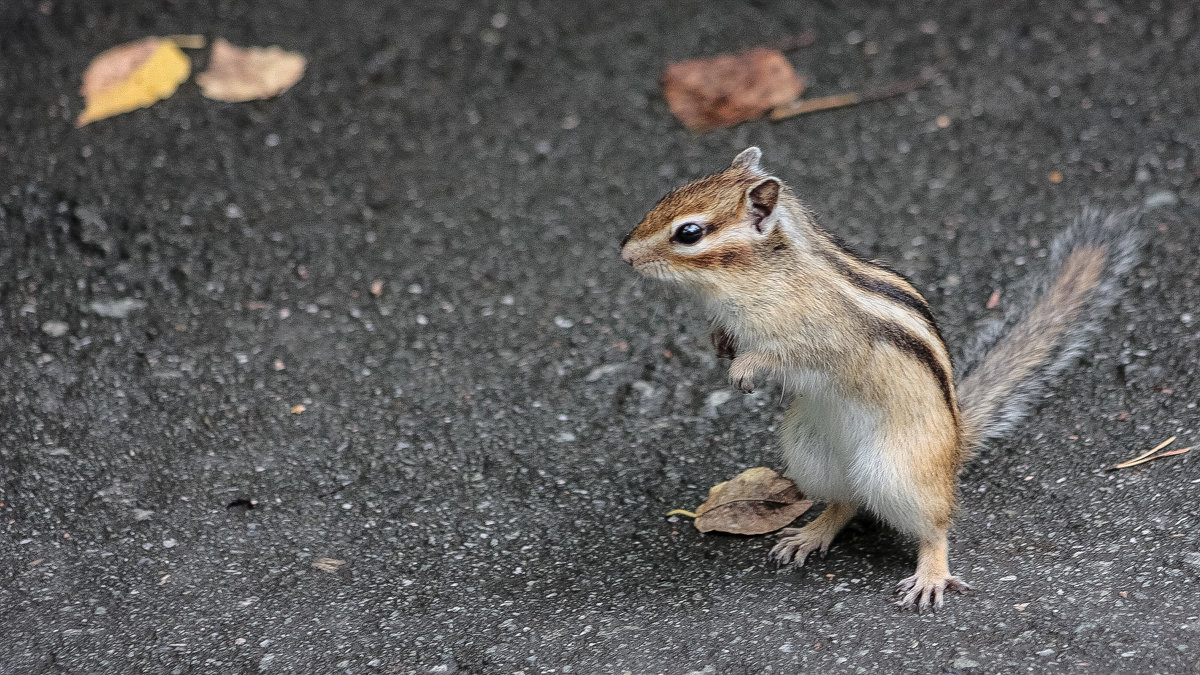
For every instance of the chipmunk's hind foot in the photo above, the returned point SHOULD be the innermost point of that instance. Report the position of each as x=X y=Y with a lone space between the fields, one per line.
x=922 y=593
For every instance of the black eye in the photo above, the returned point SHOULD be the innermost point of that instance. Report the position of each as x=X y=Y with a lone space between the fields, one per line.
x=688 y=234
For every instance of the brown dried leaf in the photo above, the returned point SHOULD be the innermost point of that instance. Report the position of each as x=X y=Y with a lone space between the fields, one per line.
x=756 y=501
x=730 y=88
x=244 y=74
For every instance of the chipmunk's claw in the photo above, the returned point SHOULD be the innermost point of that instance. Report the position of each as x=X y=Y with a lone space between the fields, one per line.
x=795 y=546
x=922 y=594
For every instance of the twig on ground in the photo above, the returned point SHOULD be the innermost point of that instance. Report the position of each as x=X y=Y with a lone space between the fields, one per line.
x=1149 y=455
x=899 y=88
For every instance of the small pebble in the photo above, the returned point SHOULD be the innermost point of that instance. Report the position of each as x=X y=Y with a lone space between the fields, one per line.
x=116 y=309
x=1160 y=199
x=716 y=400
x=55 y=328
x=601 y=371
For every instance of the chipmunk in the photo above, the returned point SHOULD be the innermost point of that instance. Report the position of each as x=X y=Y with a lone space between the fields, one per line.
x=878 y=421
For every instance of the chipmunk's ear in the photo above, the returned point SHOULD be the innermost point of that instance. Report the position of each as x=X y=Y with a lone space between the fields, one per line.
x=761 y=199
x=747 y=159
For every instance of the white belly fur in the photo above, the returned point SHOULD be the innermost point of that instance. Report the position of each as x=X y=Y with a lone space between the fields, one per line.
x=834 y=449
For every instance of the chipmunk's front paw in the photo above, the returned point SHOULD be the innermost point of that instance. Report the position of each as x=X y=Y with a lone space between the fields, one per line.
x=741 y=375
x=921 y=593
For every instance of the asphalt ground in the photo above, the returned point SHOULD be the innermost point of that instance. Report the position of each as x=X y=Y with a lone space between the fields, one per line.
x=478 y=478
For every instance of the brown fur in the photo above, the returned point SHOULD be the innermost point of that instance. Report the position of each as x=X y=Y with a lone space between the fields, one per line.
x=721 y=196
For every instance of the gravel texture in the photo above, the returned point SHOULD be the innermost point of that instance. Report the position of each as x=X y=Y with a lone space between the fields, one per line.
x=222 y=452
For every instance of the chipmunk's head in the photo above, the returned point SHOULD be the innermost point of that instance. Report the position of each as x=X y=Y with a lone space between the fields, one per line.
x=712 y=230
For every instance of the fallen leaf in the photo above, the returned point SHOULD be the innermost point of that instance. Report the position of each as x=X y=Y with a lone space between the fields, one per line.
x=298 y=408
x=131 y=76
x=730 y=88
x=993 y=300
x=244 y=74
x=756 y=501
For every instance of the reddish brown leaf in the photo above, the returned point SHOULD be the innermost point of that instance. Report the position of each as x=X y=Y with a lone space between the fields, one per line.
x=730 y=88
x=756 y=501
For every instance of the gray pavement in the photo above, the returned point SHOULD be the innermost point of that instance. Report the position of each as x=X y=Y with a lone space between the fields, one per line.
x=478 y=479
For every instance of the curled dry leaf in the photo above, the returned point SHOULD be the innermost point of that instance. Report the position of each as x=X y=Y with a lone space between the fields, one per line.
x=756 y=501
x=730 y=88
x=244 y=74
x=131 y=76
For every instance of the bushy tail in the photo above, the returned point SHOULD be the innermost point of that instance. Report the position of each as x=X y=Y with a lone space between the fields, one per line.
x=1010 y=365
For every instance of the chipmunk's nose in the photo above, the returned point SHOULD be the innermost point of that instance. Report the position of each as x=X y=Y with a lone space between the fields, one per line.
x=625 y=249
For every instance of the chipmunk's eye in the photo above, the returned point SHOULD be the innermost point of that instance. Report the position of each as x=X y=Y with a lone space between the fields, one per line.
x=688 y=234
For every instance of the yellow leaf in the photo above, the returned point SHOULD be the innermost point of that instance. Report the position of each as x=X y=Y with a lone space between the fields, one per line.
x=238 y=74
x=132 y=76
